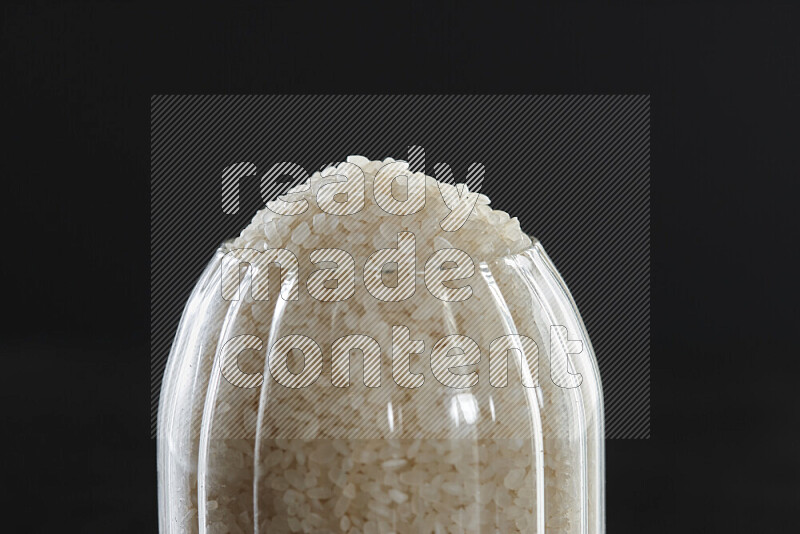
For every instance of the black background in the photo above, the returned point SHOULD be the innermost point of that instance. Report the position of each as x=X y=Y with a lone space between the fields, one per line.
x=77 y=454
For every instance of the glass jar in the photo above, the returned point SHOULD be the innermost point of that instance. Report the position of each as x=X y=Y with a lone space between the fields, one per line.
x=424 y=415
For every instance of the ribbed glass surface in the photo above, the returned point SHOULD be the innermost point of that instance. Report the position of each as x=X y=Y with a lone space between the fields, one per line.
x=496 y=425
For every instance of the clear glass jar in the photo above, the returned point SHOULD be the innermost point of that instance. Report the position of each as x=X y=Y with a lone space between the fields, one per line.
x=515 y=447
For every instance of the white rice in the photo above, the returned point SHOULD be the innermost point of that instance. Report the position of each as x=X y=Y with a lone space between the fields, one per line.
x=330 y=459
